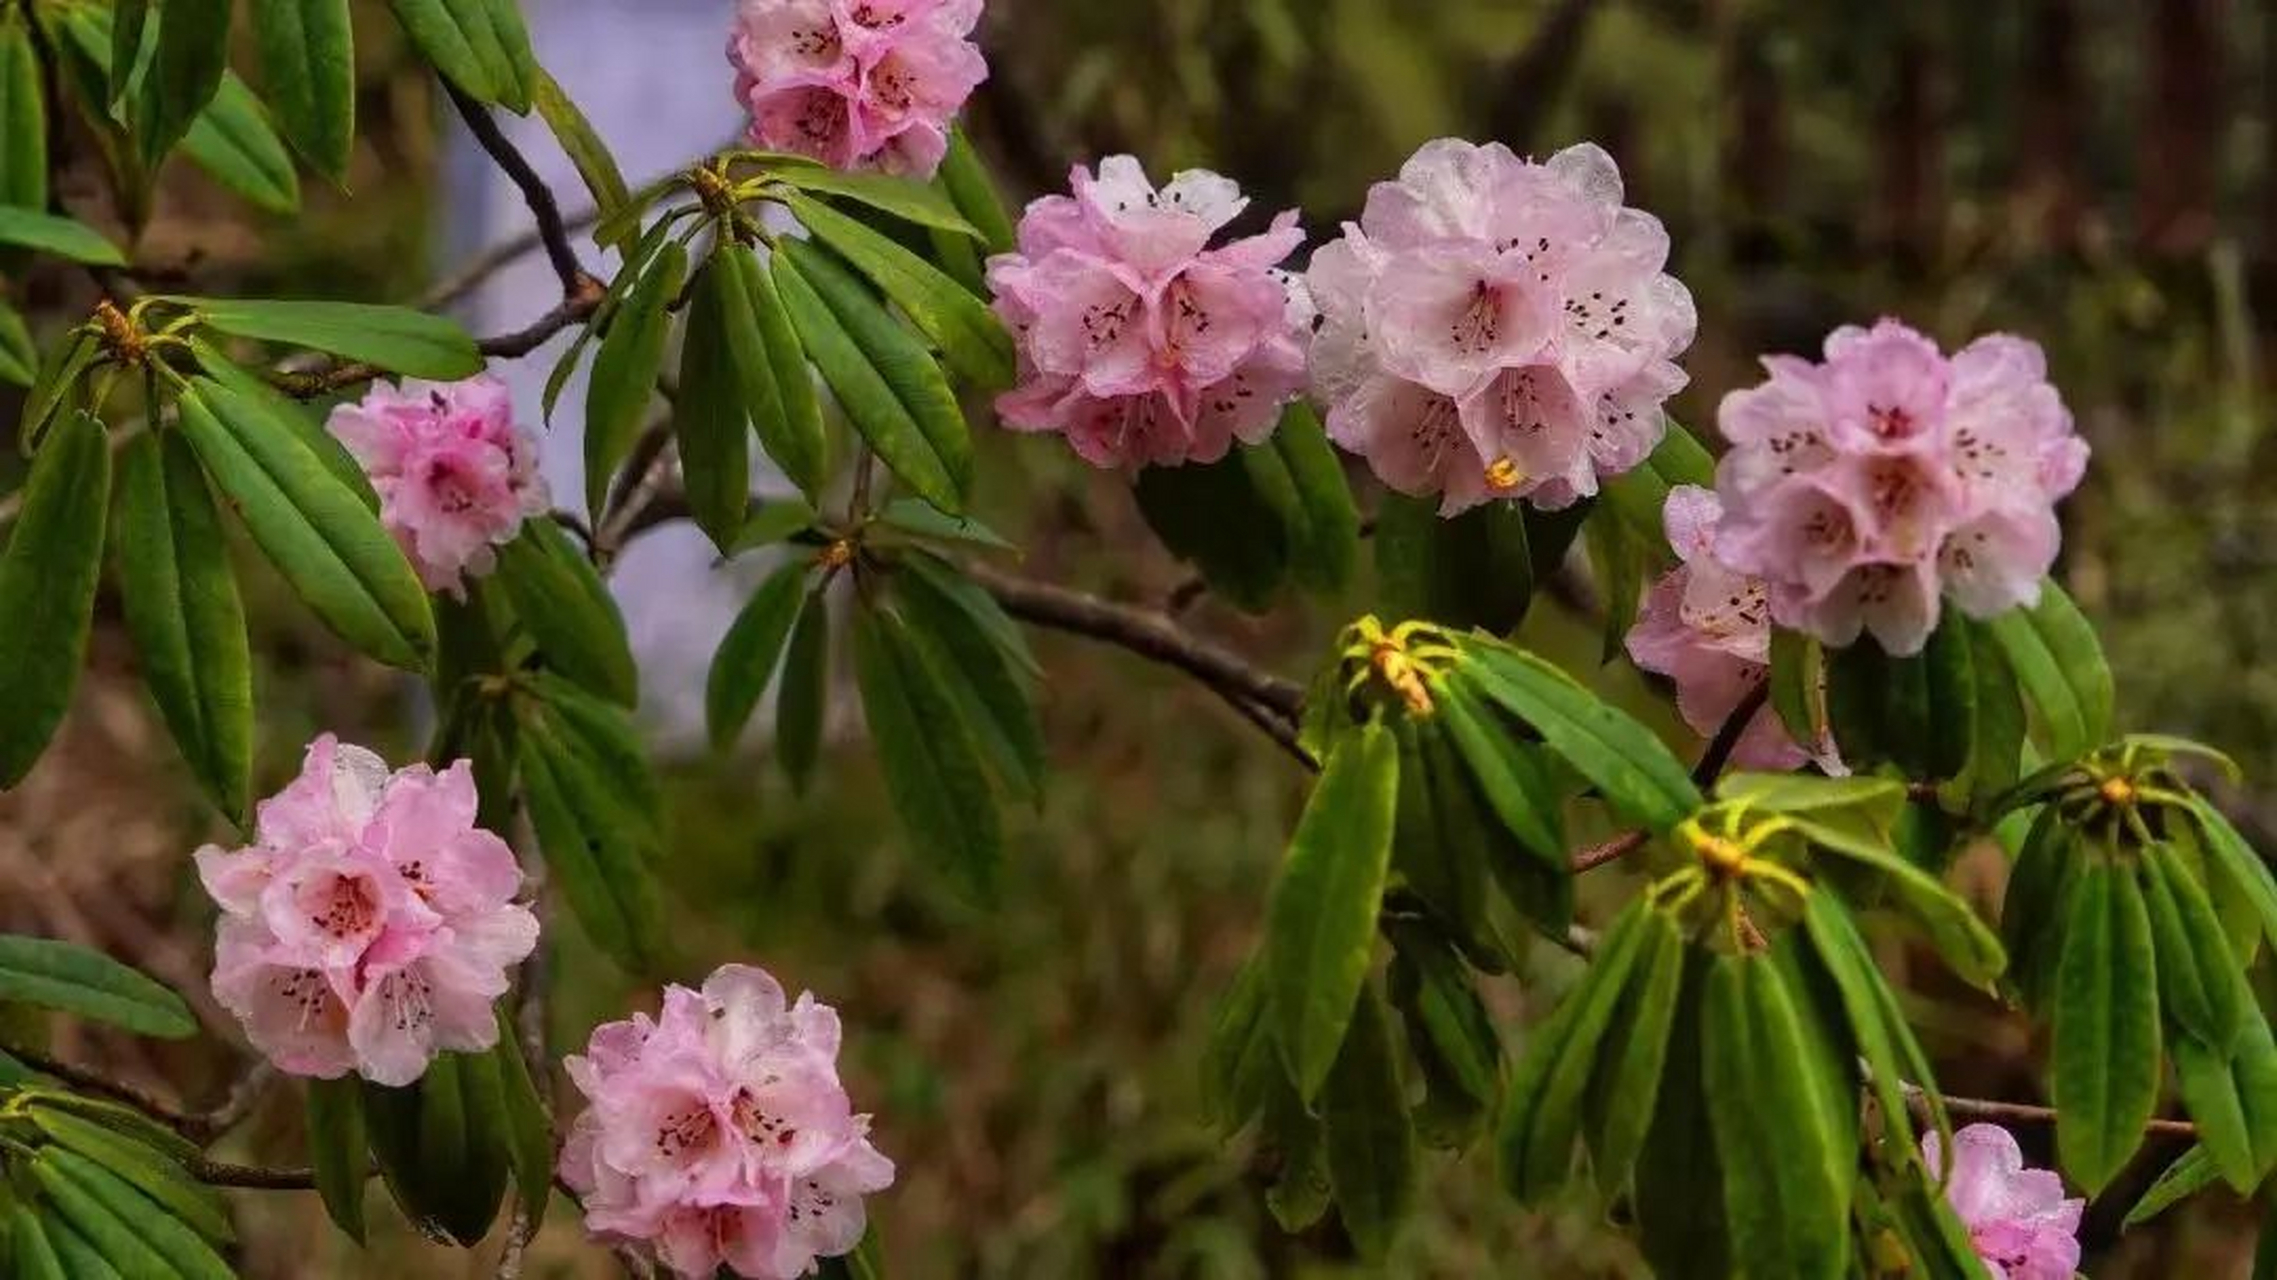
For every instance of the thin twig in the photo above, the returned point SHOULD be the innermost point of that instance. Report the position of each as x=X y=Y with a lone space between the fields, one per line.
x=2018 y=1112
x=242 y=1097
x=553 y=233
x=116 y=1090
x=477 y=270
x=1613 y=850
x=1726 y=741
x=217 y=1173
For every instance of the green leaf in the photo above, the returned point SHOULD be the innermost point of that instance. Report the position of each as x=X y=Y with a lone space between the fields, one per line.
x=233 y=141
x=128 y=39
x=2239 y=862
x=805 y=691
x=604 y=738
x=439 y=1145
x=118 y=1239
x=2209 y=1093
x=1521 y=794
x=1996 y=749
x=919 y=520
x=1371 y=1144
x=293 y=415
x=1321 y=921
x=336 y=1150
x=1893 y=1057
x=972 y=341
x=2254 y=1070
x=942 y=453
x=182 y=75
x=1440 y=836
x=2200 y=983
x=528 y=1124
x=1875 y=801
x=397 y=339
x=1220 y=518
x=594 y=849
x=1229 y=1086
x=66 y=976
x=1448 y=1031
x=596 y=165
x=710 y=416
x=151 y=1172
x=47 y=584
x=2192 y=1172
x=181 y=1250
x=566 y=608
x=52 y=386
x=308 y=73
x=904 y=199
x=950 y=582
x=2060 y=665
x=61 y=236
x=1967 y=945
x=183 y=611
x=1787 y=1173
x=1471 y=570
x=1324 y=531
x=932 y=771
x=1627 y=764
x=625 y=370
x=1679 y=1177
x=19 y=357
x=317 y=532
x=992 y=697
x=797 y=440
x=1798 y=684
x=965 y=180
x=459 y=39
x=748 y=654
x=1618 y=1107
x=23 y=117
x=1543 y=1112
x=775 y=521
x=33 y=1257
x=2105 y=1060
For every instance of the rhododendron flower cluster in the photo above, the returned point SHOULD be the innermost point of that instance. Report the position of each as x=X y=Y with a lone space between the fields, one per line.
x=856 y=83
x=1139 y=342
x=1498 y=328
x=1708 y=628
x=2019 y=1222
x=1865 y=488
x=719 y=1135
x=455 y=477
x=371 y=923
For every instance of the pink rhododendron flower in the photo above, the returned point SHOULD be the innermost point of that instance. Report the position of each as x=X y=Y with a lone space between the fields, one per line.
x=370 y=924
x=455 y=476
x=1708 y=628
x=2019 y=1222
x=718 y=1133
x=1867 y=488
x=1498 y=328
x=856 y=83
x=1139 y=342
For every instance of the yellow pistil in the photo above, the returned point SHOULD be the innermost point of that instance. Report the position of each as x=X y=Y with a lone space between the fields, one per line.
x=1724 y=858
x=2119 y=793
x=1504 y=475
x=1398 y=671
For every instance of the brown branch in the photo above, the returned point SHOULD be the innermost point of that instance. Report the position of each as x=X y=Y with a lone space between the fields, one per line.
x=1613 y=850
x=216 y=1173
x=96 y=1082
x=477 y=270
x=572 y=310
x=553 y=233
x=1917 y=1098
x=1728 y=734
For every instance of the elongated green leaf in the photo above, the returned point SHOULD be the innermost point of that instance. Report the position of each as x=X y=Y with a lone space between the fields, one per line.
x=1228 y=1090
x=2060 y=665
x=981 y=607
x=1470 y=570
x=74 y=979
x=119 y=1240
x=748 y=654
x=184 y=1252
x=1874 y=801
x=2105 y=1060
x=2200 y=986
x=1324 y=538
x=604 y=181
x=33 y=1257
x=993 y=699
x=61 y=236
x=318 y=533
x=1891 y=1054
x=293 y=415
x=594 y=848
x=47 y=583
x=1521 y=795
x=182 y=608
x=233 y=141
x=1539 y=1124
x=1966 y=943
x=904 y=199
x=1222 y=519
x=1450 y=1034
x=1787 y=1177
x=396 y=339
x=804 y=694
x=920 y=521
x=566 y=608
x=625 y=370
x=23 y=118
x=1371 y=1143
x=53 y=386
x=932 y=769
x=335 y=1128
x=308 y=72
x=2239 y=862
x=965 y=179
x=1996 y=751
x=184 y=71
x=2191 y=1173
x=1798 y=691
x=972 y=341
x=1618 y=1106
x=798 y=443
x=897 y=359
x=19 y=357
x=456 y=37
x=151 y=1172
x=527 y=1121
x=2209 y=1093
x=1321 y=921
x=1628 y=765
x=607 y=743
x=1679 y=1177
x=2254 y=1068
x=709 y=415
x=1440 y=838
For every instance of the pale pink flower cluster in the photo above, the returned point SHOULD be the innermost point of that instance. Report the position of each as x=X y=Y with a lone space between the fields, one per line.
x=856 y=83
x=2019 y=1222
x=371 y=923
x=1498 y=328
x=455 y=477
x=1708 y=628
x=719 y=1135
x=1866 y=487
x=1139 y=342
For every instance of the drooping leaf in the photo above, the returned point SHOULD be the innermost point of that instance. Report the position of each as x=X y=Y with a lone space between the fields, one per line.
x=459 y=38
x=2060 y=665
x=1217 y=516
x=97 y=1192
x=993 y=697
x=904 y=199
x=1629 y=766
x=23 y=117
x=2105 y=1059
x=1449 y=1033
x=803 y=698
x=932 y=768
x=2200 y=984
x=527 y=1122
x=291 y=414
x=1679 y=1177
x=1471 y=570
x=595 y=849
x=797 y=440
x=710 y=418
x=54 y=385
x=233 y=141
x=183 y=611
x=566 y=608
x=52 y=233
x=1892 y=1056
x=972 y=341
x=19 y=356
x=1543 y=1112
x=1370 y=1141
x=748 y=654
x=152 y=1172
x=184 y=70
x=2238 y=862
x=308 y=73
x=1798 y=692
x=965 y=179
x=2209 y=1093
x=32 y=1257
x=66 y=976
x=314 y=529
x=1618 y=1106
x=47 y=585
x=1321 y=920
x=397 y=339
x=2192 y=1172
x=336 y=1150
x=625 y=369
x=1521 y=794
x=596 y=165
x=1324 y=529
